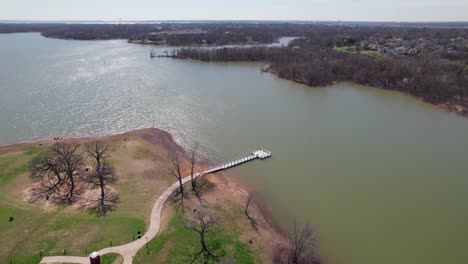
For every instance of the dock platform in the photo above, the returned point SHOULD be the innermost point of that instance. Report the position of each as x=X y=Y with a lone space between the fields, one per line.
x=257 y=154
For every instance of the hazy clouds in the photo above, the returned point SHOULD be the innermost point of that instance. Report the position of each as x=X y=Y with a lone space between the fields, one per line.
x=375 y=10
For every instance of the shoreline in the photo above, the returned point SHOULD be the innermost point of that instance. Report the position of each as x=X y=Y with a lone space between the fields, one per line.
x=84 y=136
x=447 y=105
x=234 y=183
x=270 y=232
x=204 y=161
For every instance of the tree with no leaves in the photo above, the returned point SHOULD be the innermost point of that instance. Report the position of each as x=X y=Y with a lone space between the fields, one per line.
x=46 y=172
x=101 y=177
x=57 y=173
x=252 y=220
x=302 y=250
x=175 y=169
x=203 y=220
x=193 y=162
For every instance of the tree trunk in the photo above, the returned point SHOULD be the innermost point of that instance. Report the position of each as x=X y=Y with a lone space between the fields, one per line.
x=203 y=242
x=101 y=181
x=181 y=186
x=72 y=188
x=193 y=182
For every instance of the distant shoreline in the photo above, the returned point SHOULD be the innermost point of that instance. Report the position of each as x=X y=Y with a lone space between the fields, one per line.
x=339 y=22
x=448 y=105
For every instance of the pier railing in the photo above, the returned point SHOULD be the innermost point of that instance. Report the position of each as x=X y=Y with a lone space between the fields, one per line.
x=257 y=154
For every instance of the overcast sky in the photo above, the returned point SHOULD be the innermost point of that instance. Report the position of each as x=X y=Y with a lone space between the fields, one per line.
x=352 y=10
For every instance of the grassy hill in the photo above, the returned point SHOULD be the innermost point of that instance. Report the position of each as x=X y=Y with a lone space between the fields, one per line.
x=139 y=157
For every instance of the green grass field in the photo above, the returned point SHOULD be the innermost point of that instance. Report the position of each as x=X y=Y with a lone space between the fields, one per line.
x=41 y=230
x=36 y=230
x=349 y=49
x=111 y=259
x=178 y=245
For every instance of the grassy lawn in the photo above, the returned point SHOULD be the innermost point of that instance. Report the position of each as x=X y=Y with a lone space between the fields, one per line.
x=111 y=259
x=41 y=229
x=178 y=245
x=345 y=49
x=13 y=165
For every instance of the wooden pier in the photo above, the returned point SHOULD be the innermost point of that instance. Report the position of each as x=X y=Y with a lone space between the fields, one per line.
x=257 y=154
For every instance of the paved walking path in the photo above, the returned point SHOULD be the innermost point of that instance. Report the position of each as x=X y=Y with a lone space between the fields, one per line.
x=128 y=251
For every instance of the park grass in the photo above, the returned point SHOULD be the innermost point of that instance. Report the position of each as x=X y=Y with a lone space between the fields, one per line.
x=231 y=237
x=111 y=259
x=354 y=49
x=178 y=245
x=139 y=157
x=345 y=49
x=40 y=230
x=13 y=165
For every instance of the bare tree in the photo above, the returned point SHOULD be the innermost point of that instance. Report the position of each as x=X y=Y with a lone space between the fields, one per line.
x=72 y=164
x=302 y=250
x=101 y=177
x=46 y=172
x=461 y=79
x=57 y=173
x=203 y=220
x=193 y=162
x=175 y=168
x=252 y=220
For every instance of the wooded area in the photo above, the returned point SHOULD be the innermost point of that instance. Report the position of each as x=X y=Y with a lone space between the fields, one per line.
x=426 y=76
x=172 y=34
x=220 y=33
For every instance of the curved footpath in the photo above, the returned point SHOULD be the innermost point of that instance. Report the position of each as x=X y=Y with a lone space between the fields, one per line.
x=128 y=251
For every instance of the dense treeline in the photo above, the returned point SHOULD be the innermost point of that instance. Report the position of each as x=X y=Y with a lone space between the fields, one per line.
x=424 y=76
x=214 y=34
x=79 y=31
x=326 y=34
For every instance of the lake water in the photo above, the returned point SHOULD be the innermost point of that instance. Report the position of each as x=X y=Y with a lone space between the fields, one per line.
x=382 y=176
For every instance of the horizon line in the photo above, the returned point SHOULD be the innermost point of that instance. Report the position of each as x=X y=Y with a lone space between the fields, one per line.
x=231 y=20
